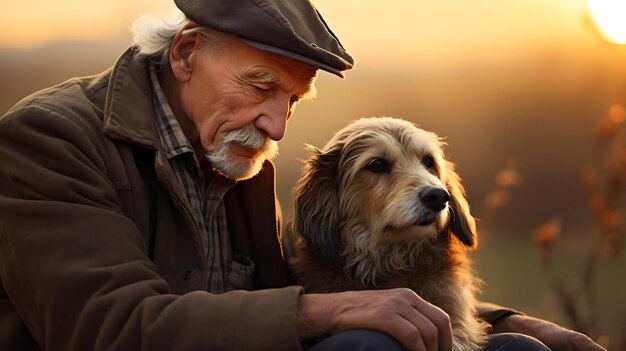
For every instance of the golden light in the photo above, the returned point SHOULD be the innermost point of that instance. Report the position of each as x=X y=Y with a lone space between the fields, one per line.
x=610 y=17
x=617 y=114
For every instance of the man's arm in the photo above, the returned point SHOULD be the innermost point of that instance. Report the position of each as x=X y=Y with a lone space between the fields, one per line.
x=557 y=338
x=554 y=336
x=75 y=266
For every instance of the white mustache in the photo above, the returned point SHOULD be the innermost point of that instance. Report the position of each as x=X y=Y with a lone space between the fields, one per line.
x=264 y=148
x=250 y=138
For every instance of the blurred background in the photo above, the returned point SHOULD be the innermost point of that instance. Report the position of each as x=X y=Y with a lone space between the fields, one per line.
x=529 y=96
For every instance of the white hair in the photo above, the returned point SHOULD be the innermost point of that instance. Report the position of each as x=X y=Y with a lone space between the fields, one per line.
x=153 y=35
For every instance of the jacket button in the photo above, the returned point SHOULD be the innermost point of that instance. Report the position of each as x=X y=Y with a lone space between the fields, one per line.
x=187 y=274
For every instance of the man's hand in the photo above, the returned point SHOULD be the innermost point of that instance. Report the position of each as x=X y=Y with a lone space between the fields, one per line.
x=555 y=337
x=401 y=313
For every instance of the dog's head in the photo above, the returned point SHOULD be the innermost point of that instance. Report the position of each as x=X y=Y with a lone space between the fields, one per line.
x=379 y=180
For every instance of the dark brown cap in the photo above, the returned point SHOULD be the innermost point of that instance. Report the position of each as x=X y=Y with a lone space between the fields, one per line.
x=292 y=28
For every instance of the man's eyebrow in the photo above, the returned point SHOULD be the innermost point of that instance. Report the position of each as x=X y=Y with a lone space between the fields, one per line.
x=266 y=77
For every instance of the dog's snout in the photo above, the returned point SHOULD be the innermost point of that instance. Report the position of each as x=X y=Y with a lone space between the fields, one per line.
x=434 y=198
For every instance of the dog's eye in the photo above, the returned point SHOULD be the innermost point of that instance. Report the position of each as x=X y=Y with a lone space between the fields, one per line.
x=378 y=166
x=429 y=162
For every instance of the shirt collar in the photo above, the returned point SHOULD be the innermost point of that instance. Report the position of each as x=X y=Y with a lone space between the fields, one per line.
x=174 y=141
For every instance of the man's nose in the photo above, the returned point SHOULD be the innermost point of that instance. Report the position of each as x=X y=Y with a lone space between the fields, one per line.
x=273 y=118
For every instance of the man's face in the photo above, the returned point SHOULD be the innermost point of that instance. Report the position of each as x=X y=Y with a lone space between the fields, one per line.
x=237 y=102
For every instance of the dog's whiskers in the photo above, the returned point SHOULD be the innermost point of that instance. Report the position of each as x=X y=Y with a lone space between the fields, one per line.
x=451 y=212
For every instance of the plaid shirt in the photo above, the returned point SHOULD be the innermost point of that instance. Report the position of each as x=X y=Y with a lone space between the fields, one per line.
x=204 y=190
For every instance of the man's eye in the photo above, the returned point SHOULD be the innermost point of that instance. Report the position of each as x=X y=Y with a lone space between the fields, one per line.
x=264 y=88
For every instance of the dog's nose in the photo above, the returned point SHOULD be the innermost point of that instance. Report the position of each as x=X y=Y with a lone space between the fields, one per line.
x=434 y=198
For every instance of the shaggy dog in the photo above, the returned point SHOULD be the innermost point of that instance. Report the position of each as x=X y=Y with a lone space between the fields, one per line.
x=380 y=207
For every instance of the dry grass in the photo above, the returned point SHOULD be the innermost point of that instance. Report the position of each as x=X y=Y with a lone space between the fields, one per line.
x=505 y=181
x=576 y=287
x=604 y=183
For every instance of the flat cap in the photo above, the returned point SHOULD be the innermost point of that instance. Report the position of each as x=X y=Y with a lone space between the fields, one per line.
x=292 y=28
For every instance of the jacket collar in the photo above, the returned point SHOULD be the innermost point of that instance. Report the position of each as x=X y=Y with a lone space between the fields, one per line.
x=128 y=108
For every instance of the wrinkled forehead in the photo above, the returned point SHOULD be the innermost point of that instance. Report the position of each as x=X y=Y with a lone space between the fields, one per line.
x=296 y=69
x=243 y=57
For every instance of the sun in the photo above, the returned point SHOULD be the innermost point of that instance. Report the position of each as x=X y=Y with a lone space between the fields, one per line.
x=610 y=16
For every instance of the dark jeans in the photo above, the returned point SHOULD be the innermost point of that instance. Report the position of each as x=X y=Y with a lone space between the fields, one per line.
x=368 y=340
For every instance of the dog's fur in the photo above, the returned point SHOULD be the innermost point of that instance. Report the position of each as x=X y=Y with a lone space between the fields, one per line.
x=361 y=222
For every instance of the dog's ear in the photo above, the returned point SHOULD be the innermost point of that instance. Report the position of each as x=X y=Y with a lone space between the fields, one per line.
x=462 y=223
x=317 y=204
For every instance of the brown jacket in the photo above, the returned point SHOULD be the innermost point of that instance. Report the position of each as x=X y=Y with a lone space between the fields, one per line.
x=98 y=249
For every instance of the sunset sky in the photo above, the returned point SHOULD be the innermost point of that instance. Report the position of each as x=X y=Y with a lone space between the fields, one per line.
x=398 y=30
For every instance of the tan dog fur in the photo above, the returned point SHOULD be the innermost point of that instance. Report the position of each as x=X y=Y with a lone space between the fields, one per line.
x=358 y=227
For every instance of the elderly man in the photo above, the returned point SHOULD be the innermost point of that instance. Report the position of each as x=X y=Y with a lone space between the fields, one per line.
x=137 y=207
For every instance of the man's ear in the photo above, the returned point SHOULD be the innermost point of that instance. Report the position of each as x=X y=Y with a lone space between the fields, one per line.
x=182 y=53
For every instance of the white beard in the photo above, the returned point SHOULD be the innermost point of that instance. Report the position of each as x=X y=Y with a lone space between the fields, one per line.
x=226 y=164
